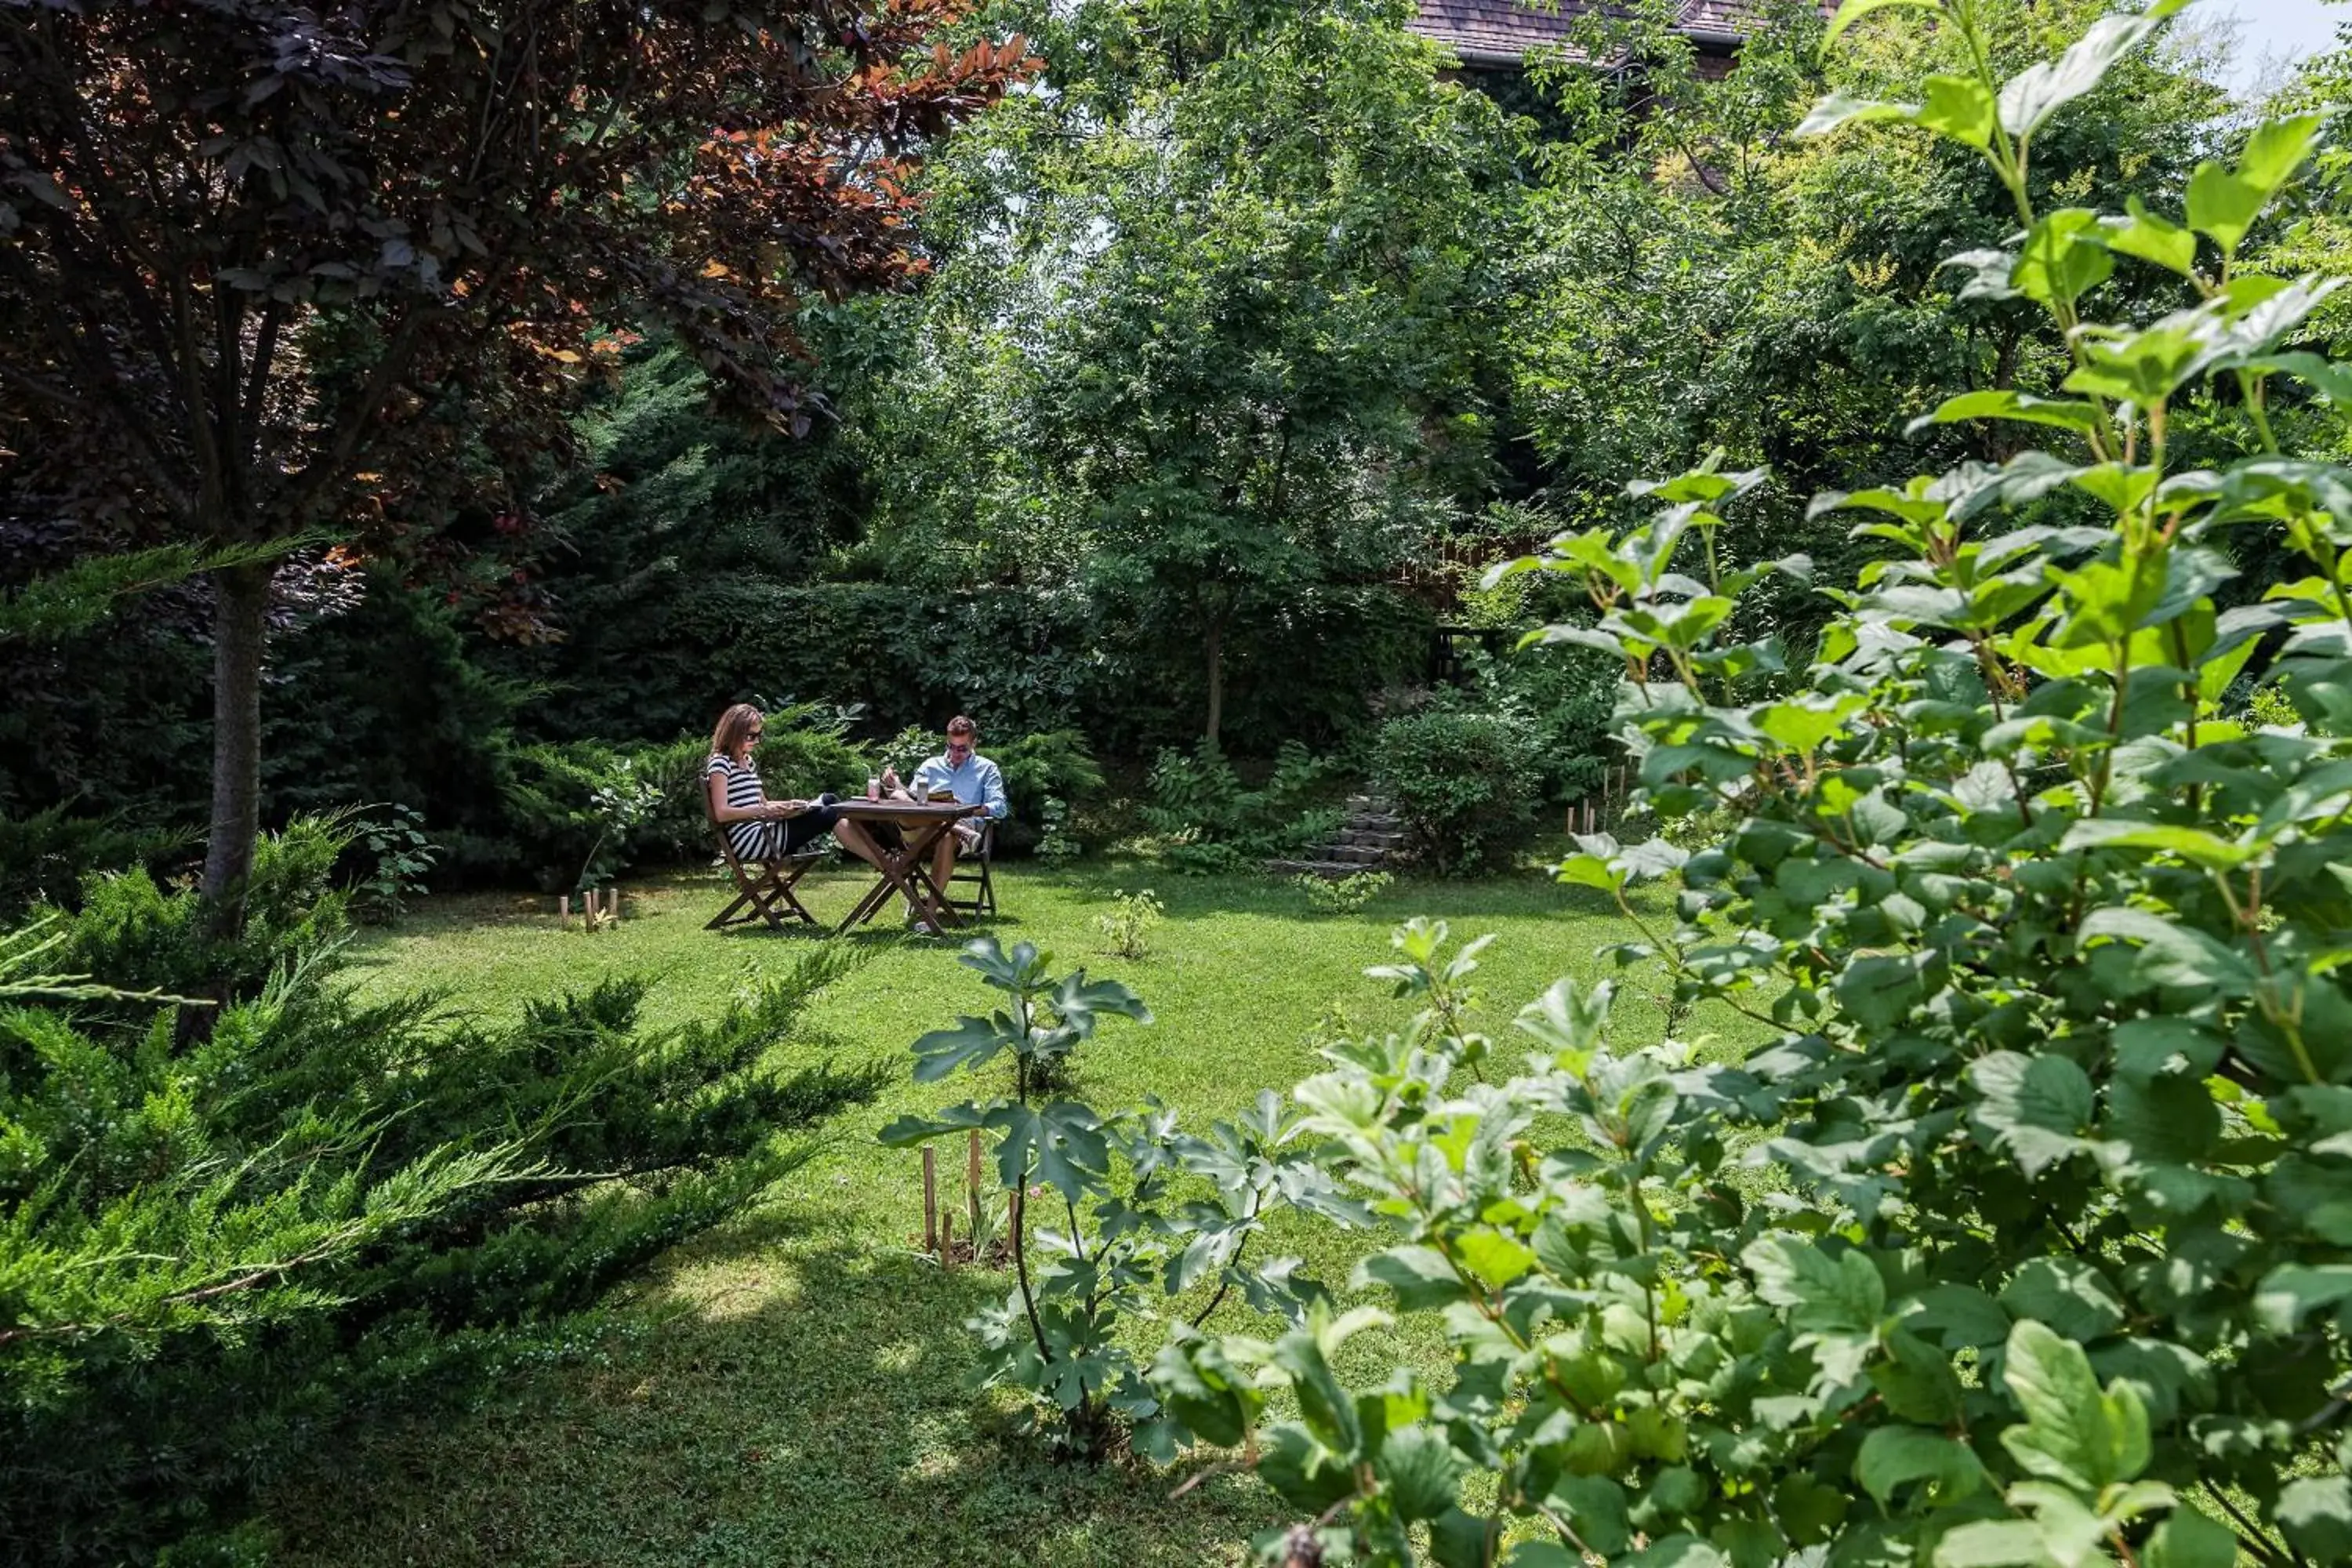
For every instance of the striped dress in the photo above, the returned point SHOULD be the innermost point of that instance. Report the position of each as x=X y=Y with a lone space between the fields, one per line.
x=751 y=840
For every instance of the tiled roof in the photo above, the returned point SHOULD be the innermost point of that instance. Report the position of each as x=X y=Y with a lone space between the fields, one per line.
x=1501 y=32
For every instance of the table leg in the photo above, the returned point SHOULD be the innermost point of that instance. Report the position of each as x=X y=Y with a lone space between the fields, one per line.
x=916 y=883
x=905 y=872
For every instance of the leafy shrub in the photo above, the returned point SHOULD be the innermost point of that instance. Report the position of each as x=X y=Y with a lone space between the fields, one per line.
x=1127 y=927
x=45 y=855
x=216 y=1254
x=582 y=811
x=396 y=856
x=804 y=751
x=1342 y=895
x=579 y=813
x=136 y=934
x=1566 y=698
x=1054 y=765
x=1465 y=782
x=1058 y=1335
x=1055 y=846
x=2045 y=1259
x=1212 y=823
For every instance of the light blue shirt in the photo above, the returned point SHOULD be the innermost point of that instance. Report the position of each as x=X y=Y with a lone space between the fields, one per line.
x=977 y=783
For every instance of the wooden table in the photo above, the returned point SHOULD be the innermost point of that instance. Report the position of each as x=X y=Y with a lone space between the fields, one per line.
x=907 y=869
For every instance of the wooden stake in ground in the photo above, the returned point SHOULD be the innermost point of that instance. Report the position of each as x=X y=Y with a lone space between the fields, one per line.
x=947 y=1240
x=971 y=1186
x=613 y=905
x=564 y=907
x=930 y=1200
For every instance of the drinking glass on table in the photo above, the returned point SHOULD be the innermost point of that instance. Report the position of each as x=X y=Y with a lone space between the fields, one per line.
x=874 y=787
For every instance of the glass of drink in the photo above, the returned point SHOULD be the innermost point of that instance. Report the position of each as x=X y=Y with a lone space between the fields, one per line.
x=874 y=787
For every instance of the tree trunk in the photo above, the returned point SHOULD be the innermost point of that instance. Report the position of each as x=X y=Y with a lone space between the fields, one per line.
x=1216 y=651
x=240 y=618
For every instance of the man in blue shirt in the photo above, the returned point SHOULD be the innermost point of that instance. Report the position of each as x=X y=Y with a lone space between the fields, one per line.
x=973 y=780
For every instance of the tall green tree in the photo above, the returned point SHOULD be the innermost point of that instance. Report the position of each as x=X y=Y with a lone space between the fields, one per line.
x=1206 y=336
x=262 y=266
x=1701 y=276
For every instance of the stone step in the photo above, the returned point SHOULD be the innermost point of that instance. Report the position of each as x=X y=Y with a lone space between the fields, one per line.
x=1369 y=802
x=1354 y=854
x=1331 y=871
x=1375 y=822
x=1370 y=838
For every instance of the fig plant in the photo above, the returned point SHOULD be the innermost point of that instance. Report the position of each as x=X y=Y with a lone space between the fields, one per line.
x=1149 y=1216
x=2037 y=1244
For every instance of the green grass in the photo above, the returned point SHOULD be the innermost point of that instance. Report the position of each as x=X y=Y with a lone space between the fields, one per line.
x=795 y=1388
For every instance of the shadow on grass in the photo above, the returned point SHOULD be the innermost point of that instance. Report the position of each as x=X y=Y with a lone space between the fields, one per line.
x=781 y=1395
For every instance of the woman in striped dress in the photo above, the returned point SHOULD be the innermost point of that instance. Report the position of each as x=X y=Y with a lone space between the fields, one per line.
x=758 y=828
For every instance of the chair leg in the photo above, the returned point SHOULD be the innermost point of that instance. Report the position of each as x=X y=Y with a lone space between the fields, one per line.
x=784 y=886
x=727 y=916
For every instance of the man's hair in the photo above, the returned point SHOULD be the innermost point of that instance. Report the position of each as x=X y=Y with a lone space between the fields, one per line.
x=962 y=725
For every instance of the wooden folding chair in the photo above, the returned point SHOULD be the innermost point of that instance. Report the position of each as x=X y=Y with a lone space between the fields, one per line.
x=971 y=871
x=765 y=893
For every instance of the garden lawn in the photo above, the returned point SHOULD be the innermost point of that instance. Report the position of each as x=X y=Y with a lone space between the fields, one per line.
x=795 y=1388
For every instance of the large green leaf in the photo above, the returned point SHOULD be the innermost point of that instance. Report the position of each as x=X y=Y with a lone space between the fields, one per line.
x=1063 y=1145
x=2040 y=1108
x=1420 y=1470
x=1203 y=1389
x=1329 y=1411
x=2293 y=1291
x=2069 y=1295
x=2172 y=955
x=2194 y=845
x=1822 y=1295
x=2224 y=202
x=2030 y=98
x=2065 y=413
x=2190 y=1539
x=2074 y=1434
x=1838 y=110
x=1995 y=1543
x=1893 y=1456
x=972 y=1043
x=1420 y=1276
x=1957 y=108
x=2063 y=258
x=2314 y=1514
x=1079 y=1002
x=2153 y=238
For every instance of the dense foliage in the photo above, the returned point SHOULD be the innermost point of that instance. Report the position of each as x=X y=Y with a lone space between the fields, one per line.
x=268 y=274
x=2036 y=1254
x=212 y=1252
x=1465 y=782
x=1244 y=339
x=1217 y=303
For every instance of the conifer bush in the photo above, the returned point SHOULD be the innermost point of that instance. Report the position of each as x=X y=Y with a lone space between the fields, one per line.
x=217 y=1246
x=2027 y=1237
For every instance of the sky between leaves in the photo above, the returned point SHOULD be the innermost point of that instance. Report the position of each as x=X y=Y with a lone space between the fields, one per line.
x=2273 y=32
